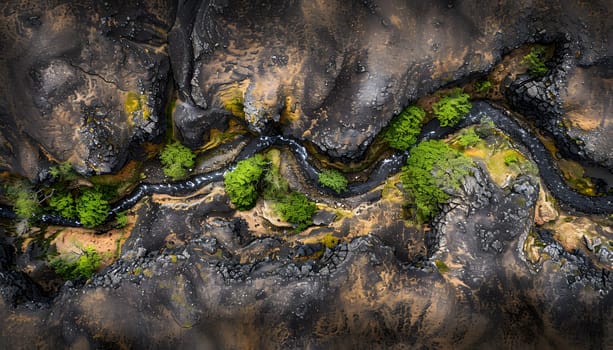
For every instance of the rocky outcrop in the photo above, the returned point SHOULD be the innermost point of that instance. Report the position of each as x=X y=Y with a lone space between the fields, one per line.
x=334 y=73
x=571 y=103
x=193 y=274
x=80 y=82
x=588 y=105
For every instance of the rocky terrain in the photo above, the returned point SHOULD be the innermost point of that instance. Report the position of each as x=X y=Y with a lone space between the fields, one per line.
x=505 y=264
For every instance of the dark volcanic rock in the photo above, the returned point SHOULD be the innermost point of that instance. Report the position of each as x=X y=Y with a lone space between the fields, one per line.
x=571 y=103
x=191 y=276
x=588 y=105
x=80 y=82
x=334 y=73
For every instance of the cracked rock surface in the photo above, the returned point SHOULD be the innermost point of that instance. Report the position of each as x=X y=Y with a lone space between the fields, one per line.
x=80 y=82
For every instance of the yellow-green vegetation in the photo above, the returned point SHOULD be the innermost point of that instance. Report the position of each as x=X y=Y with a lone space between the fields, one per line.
x=441 y=266
x=467 y=138
x=433 y=170
x=452 y=107
x=260 y=175
x=274 y=185
x=84 y=265
x=483 y=86
x=89 y=204
x=232 y=101
x=63 y=203
x=24 y=199
x=402 y=131
x=510 y=159
x=122 y=219
x=177 y=160
x=136 y=105
x=242 y=183
x=218 y=137
x=329 y=241
x=63 y=172
x=333 y=180
x=536 y=61
x=574 y=174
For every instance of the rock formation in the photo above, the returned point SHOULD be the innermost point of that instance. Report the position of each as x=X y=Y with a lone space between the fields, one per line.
x=90 y=82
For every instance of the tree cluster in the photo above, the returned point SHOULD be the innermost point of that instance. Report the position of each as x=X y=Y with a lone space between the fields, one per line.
x=432 y=172
x=256 y=175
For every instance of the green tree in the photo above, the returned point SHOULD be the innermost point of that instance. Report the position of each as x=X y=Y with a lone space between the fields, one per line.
x=63 y=172
x=85 y=265
x=64 y=204
x=24 y=199
x=402 y=131
x=452 y=107
x=433 y=170
x=536 y=61
x=242 y=183
x=333 y=179
x=92 y=207
x=177 y=160
x=297 y=209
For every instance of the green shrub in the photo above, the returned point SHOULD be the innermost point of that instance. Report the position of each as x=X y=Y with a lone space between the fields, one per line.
x=63 y=172
x=433 y=170
x=467 y=138
x=92 y=207
x=242 y=183
x=483 y=86
x=334 y=180
x=451 y=108
x=122 y=219
x=402 y=131
x=177 y=160
x=84 y=266
x=536 y=61
x=64 y=204
x=24 y=199
x=297 y=209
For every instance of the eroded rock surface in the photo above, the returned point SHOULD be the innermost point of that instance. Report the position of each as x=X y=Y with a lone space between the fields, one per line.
x=193 y=275
x=80 y=82
x=334 y=73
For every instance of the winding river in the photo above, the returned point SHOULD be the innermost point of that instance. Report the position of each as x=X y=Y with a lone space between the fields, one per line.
x=548 y=170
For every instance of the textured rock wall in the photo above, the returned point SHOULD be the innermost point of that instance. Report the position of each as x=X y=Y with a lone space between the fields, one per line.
x=334 y=73
x=80 y=81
